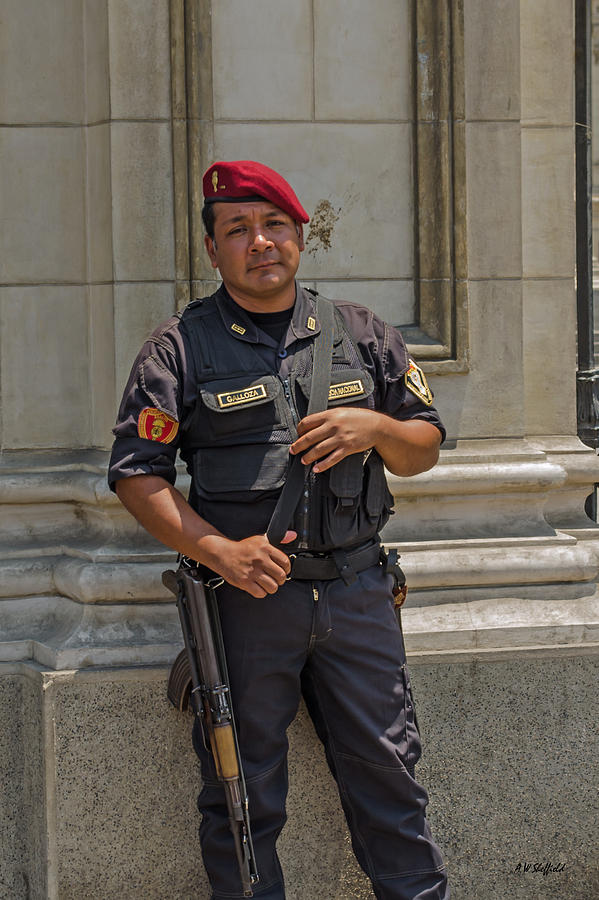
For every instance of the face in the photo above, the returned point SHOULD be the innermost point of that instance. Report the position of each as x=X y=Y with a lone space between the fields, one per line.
x=256 y=248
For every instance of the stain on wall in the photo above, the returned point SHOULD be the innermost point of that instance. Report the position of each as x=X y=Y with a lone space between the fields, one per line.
x=322 y=225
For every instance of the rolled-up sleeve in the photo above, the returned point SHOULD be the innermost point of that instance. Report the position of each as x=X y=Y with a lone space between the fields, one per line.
x=407 y=394
x=147 y=428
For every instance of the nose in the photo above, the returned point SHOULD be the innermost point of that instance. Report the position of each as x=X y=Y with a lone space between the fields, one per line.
x=260 y=242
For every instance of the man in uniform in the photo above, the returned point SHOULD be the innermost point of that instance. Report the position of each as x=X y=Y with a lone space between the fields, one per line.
x=227 y=382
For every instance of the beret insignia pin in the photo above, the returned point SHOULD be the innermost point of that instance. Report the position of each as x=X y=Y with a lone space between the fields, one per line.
x=417 y=383
x=215 y=181
x=154 y=425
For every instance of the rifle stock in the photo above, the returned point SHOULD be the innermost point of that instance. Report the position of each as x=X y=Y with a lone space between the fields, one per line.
x=199 y=674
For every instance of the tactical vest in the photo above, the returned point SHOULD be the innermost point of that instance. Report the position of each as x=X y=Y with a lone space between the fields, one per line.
x=236 y=439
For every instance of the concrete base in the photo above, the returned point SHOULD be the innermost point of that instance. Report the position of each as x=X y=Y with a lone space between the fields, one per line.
x=101 y=783
x=510 y=761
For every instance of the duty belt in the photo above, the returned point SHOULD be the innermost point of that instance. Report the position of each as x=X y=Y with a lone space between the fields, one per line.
x=307 y=566
x=345 y=564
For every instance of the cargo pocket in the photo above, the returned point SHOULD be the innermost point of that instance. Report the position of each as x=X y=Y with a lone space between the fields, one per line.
x=221 y=472
x=243 y=406
x=342 y=514
x=378 y=498
x=413 y=748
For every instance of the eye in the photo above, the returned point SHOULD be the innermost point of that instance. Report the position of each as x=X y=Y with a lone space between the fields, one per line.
x=234 y=231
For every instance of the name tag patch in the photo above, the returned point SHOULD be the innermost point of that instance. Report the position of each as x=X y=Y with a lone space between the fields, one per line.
x=245 y=395
x=346 y=389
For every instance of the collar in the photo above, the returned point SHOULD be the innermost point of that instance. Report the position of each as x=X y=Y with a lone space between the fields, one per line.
x=304 y=321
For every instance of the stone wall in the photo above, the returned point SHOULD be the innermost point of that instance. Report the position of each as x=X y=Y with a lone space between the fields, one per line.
x=87 y=247
x=101 y=176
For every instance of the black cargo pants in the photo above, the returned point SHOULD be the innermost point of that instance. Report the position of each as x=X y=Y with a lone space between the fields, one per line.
x=341 y=647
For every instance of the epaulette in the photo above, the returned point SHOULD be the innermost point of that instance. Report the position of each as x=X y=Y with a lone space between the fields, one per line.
x=193 y=304
x=201 y=306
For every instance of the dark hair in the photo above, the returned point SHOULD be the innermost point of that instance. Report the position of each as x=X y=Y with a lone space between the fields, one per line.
x=208 y=219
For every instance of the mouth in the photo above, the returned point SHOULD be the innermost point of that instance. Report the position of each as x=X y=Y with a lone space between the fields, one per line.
x=264 y=265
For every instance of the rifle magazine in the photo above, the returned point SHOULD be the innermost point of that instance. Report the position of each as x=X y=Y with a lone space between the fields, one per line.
x=179 y=682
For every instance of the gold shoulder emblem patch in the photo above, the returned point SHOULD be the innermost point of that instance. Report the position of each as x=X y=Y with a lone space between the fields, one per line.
x=417 y=383
x=311 y=323
x=238 y=328
x=154 y=425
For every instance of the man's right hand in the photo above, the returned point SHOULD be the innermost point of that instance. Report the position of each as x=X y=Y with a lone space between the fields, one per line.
x=253 y=564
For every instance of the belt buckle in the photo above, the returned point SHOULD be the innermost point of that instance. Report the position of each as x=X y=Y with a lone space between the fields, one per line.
x=292 y=556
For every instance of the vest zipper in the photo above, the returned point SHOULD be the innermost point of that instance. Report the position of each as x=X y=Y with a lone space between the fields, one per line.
x=288 y=398
x=304 y=509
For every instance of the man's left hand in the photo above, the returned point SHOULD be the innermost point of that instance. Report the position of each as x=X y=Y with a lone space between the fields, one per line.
x=325 y=438
x=406 y=447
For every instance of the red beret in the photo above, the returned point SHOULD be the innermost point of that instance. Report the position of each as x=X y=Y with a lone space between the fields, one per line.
x=244 y=179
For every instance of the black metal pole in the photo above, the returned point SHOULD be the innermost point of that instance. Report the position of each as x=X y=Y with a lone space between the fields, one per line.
x=587 y=376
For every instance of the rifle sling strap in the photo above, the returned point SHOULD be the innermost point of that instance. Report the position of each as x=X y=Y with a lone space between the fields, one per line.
x=319 y=398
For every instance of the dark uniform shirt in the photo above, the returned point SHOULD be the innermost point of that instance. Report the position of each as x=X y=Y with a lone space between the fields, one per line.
x=163 y=378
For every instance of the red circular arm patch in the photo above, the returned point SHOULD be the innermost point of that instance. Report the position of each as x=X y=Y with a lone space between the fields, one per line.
x=157 y=426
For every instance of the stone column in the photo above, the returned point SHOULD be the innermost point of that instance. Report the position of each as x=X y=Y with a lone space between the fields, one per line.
x=499 y=527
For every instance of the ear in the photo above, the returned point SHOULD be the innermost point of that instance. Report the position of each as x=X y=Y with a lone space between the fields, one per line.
x=300 y=235
x=210 y=246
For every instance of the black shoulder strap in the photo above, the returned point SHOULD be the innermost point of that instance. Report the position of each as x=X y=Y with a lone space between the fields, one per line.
x=319 y=398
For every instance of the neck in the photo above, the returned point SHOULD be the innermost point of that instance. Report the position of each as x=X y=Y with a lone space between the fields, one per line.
x=264 y=303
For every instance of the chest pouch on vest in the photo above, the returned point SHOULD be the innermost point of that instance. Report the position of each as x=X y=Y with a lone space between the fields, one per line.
x=241 y=469
x=348 y=387
x=243 y=436
x=242 y=407
x=351 y=501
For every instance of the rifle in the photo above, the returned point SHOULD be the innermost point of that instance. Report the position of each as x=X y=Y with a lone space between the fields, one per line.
x=200 y=673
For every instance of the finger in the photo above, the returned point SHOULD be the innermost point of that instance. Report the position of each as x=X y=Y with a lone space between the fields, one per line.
x=254 y=590
x=268 y=584
x=309 y=422
x=303 y=443
x=312 y=437
x=322 y=449
x=273 y=564
x=281 y=568
x=329 y=461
